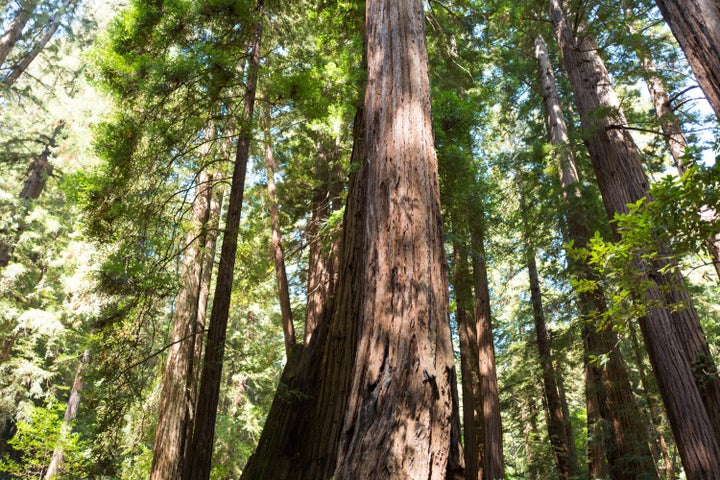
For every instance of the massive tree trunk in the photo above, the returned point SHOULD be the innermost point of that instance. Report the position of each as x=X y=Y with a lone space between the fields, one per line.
x=493 y=466
x=401 y=417
x=277 y=250
x=673 y=335
x=15 y=28
x=200 y=452
x=696 y=25
x=608 y=391
x=71 y=411
x=382 y=399
x=29 y=56
x=179 y=392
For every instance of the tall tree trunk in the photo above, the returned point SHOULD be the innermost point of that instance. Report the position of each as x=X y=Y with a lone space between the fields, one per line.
x=208 y=261
x=319 y=274
x=556 y=421
x=177 y=401
x=673 y=336
x=696 y=26
x=401 y=418
x=472 y=423
x=200 y=454
x=608 y=390
x=58 y=456
x=38 y=173
x=527 y=415
x=28 y=58
x=322 y=264
x=670 y=125
x=493 y=465
x=569 y=432
x=654 y=409
x=555 y=418
x=383 y=403
x=277 y=249
x=14 y=31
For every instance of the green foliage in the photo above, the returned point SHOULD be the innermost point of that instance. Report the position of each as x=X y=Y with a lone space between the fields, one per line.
x=672 y=223
x=39 y=432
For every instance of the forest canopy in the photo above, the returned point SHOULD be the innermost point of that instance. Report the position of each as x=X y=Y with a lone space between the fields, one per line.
x=390 y=239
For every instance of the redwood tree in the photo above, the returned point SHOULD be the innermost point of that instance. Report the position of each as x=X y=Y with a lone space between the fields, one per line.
x=696 y=25
x=384 y=402
x=674 y=339
x=608 y=392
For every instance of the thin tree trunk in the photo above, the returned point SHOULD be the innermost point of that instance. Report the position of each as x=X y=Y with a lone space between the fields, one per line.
x=322 y=265
x=696 y=26
x=527 y=415
x=38 y=173
x=608 y=391
x=569 y=433
x=654 y=409
x=177 y=401
x=493 y=465
x=673 y=337
x=597 y=434
x=14 y=31
x=28 y=58
x=278 y=255
x=555 y=418
x=208 y=260
x=58 y=456
x=472 y=401
x=200 y=454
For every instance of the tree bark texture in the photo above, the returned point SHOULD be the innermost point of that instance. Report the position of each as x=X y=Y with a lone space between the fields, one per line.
x=277 y=250
x=300 y=437
x=200 y=453
x=493 y=465
x=179 y=391
x=28 y=58
x=71 y=412
x=609 y=395
x=673 y=336
x=375 y=392
x=14 y=31
x=696 y=26
x=401 y=418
